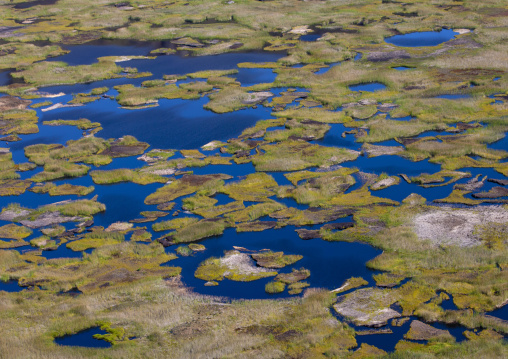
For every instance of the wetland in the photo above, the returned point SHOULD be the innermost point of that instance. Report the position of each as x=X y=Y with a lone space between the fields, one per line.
x=253 y=179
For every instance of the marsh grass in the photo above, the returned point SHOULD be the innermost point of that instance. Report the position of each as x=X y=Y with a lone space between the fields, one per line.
x=125 y=175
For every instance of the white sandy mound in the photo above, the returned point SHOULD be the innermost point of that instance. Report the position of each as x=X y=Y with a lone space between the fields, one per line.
x=450 y=226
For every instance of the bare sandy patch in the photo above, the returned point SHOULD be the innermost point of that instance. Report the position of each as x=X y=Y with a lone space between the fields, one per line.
x=449 y=226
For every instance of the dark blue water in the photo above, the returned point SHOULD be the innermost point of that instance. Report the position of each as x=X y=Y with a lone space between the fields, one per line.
x=501 y=144
x=249 y=77
x=387 y=342
x=5 y=78
x=449 y=304
x=333 y=138
x=310 y=37
x=326 y=69
x=402 y=68
x=501 y=313
x=369 y=87
x=46 y=135
x=330 y=263
x=10 y=286
x=88 y=53
x=404 y=189
x=420 y=39
x=496 y=79
x=174 y=124
x=180 y=124
x=84 y=338
x=170 y=65
x=167 y=65
x=393 y=165
x=280 y=178
x=406 y=118
x=62 y=252
x=454 y=96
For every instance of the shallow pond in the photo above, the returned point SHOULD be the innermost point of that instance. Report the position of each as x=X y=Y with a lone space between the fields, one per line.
x=330 y=263
x=454 y=96
x=421 y=39
x=175 y=124
x=10 y=286
x=310 y=37
x=387 y=341
x=5 y=78
x=368 y=87
x=84 y=338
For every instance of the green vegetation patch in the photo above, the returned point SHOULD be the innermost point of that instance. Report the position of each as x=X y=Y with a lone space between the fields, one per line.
x=47 y=73
x=200 y=230
x=176 y=223
x=82 y=123
x=275 y=287
x=296 y=275
x=43 y=242
x=297 y=287
x=13 y=187
x=125 y=175
x=255 y=211
x=298 y=155
x=18 y=54
x=53 y=231
x=186 y=185
x=256 y=187
x=62 y=190
x=215 y=211
x=129 y=95
x=95 y=240
x=14 y=231
x=141 y=235
x=234 y=266
x=271 y=259
x=320 y=187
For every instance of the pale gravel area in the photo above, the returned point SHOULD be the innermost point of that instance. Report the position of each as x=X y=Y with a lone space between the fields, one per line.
x=368 y=307
x=242 y=263
x=387 y=182
x=450 y=226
